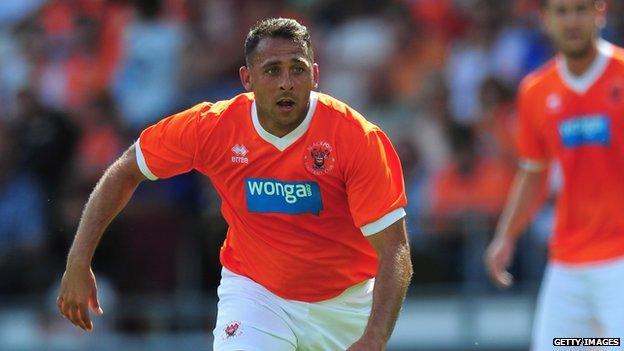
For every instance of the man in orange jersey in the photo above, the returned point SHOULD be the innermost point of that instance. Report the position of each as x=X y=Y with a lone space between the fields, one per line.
x=316 y=255
x=571 y=111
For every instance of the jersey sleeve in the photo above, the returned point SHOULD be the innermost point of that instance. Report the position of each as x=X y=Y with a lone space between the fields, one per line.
x=530 y=140
x=169 y=147
x=374 y=183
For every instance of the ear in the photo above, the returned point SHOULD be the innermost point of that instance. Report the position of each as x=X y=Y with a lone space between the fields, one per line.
x=245 y=77
x=545 y=20
x=315 y=75
x=601 y=19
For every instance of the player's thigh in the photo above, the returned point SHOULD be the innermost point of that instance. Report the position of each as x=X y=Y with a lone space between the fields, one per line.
x=563 y=309
x=250 y=319
x=248 y=338
x=337 y=323
x=608 y=283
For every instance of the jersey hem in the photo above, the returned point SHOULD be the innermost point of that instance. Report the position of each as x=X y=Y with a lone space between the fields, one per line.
x=580 y=263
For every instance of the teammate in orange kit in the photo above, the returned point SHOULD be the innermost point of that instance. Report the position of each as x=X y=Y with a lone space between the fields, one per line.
x=571 y=111
x=316 y=255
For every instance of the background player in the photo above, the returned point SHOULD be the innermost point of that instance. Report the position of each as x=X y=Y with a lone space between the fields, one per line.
x=302 y=177
x=571 y=111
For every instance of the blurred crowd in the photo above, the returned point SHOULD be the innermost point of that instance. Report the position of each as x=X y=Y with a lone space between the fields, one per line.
x=79 y=80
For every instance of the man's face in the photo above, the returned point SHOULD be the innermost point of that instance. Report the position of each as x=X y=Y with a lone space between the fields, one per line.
x=281 y=77
x=572 y=25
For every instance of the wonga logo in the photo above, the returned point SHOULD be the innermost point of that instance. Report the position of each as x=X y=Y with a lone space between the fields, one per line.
x=584 y=130
x=276 y=196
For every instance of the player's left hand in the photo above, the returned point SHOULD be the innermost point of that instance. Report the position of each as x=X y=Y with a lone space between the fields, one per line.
x=498 y=257
x=78 y=294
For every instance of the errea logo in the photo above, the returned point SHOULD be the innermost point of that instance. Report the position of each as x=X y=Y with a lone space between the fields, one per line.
x=553 y=103
x=240 y=151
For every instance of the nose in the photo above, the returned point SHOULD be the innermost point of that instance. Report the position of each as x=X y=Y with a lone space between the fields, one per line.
x=286 y=82
x=572 y=17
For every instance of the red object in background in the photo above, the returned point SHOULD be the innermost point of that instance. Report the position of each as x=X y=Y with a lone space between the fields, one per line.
x=57 y=18
x=437 y=16
x=90 y=64
x=483 y=190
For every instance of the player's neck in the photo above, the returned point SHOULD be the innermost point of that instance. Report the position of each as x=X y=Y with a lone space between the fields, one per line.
x=577 y=65
x=278 y=129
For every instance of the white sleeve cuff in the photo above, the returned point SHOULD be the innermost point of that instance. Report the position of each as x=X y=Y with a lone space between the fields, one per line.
x=532 y=165
x=383 y=222
x=141 y=162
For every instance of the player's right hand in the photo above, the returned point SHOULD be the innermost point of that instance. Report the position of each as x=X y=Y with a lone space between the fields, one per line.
x=498 y=257
x=78 y=294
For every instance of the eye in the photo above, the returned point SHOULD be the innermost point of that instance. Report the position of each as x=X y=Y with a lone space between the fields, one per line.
x=272 y=71
x=560 y=10
x=298 y=69
x=582 y=8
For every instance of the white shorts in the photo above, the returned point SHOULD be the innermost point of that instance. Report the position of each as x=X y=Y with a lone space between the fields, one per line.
x=252 y=318
x=580 y=301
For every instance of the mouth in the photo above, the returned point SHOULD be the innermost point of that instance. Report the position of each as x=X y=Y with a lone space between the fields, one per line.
x=572 y=35
x=286 y=104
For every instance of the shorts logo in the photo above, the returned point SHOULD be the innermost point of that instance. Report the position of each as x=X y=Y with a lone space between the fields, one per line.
x=239 y=151
x=319 y=159
x=585 y=130
x=232 y=329
x=277 y=196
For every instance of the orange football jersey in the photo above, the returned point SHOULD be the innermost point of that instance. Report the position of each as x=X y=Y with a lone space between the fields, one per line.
x=297 y=206
x=579 y=122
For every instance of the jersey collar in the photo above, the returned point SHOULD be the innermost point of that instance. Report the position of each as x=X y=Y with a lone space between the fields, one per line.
x=282 y=143
x=580 y=84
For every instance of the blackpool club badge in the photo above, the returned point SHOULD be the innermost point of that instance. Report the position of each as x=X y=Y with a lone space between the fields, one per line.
x=232 y=329
x=319 y=158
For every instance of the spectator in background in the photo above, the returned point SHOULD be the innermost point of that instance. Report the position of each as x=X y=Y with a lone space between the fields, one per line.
x=205 y=74
x=422 y=40
x=101 y=137
x=22 y=49
x=497 y=125
x=371 y=35
x=493 y=44
x=472 y=184
x=85 y=70
x=466 y=197
x=83 y=46
x=147 y=84
x=22 y=225
x=431 y=119
x=46 y=138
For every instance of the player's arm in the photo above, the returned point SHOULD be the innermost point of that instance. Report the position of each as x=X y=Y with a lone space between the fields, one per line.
x=525 y=196
x=393 y=277
x=111 y=194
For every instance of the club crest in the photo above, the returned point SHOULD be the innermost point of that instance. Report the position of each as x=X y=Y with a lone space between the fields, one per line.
x=616 y=93
x=319 y=158
x=232 y=329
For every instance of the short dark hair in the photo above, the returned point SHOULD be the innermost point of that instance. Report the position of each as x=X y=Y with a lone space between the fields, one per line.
x=285 y=28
